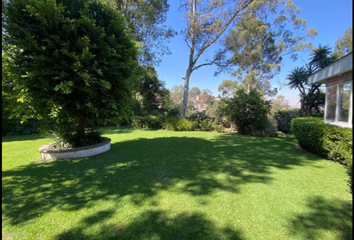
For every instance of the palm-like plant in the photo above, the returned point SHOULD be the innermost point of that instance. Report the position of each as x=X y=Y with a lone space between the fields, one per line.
x=297 y=78
x=311 y=96
x=322 y=57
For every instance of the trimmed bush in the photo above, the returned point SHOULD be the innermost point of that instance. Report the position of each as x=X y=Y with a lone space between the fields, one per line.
x=330 y=141
x=284 y=117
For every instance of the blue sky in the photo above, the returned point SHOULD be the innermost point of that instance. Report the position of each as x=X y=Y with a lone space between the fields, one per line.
x=330 y=17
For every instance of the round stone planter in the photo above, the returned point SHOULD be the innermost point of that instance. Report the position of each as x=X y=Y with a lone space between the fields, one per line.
x=80 y=152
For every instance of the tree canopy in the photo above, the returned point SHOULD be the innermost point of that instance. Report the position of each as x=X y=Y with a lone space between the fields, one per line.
x=261 y=35
x=344 y=45
x=76 y=59
x=145 y=19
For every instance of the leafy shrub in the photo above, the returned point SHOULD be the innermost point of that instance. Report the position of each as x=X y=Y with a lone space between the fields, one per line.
x=174 y=112
x=66 y=137
x=284 y=117
x=268 y=129
x=331 y=141
x=14 y=126
x=325 y=139
x=179 y=124
x=198 y=117
x=249 y=112
x=150 y=121
x=203 y=122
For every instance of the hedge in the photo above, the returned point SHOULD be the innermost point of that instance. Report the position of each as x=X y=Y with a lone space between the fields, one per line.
x=330 y=141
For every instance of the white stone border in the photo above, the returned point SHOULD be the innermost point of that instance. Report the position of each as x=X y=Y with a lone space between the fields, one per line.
x=54 y=154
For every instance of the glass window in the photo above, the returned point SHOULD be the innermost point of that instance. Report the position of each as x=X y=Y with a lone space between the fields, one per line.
x=344 y=103
x=331 y=103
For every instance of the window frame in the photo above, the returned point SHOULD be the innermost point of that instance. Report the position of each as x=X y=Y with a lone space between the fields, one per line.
x=349 y=123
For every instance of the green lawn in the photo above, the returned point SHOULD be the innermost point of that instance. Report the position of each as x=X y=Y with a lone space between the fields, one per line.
x=174 y=185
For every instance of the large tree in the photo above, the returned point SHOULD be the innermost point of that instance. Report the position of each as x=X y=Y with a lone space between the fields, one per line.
x=228 y=88
x=208 y=21
x=344 y=45
x=77 y=60
x=260 y=40
x=145 y=19
x=152 y=90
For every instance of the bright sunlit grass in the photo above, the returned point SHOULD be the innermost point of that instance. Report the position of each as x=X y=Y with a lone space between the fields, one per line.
x=174 y=185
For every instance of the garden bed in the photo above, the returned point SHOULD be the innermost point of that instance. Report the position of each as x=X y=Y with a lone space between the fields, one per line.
x=48 y=153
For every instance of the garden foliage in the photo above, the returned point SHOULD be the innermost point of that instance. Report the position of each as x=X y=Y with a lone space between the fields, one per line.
x=284 y=117
x=327 y=140
x=249 y=112
x=149 y=122
x=179 y=124
x=78 y=62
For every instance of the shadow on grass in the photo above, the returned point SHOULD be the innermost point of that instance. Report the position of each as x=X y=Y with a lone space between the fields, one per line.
x=151 y=225
x=21 y=138
x=139 y=169
x=331 y=215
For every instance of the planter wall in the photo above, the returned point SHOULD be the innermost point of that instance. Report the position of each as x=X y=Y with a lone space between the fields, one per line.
x=81 y=152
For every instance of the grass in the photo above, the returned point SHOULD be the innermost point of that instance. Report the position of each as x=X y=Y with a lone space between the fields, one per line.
x=174 y=185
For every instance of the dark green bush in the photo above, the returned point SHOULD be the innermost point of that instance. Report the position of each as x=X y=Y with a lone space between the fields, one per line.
x=268 y=129
x=174 y=112
x=249 y=112
x=330 y=141
x=198 y=117
x=284 y=117
x=150 y=122
x=14 y=126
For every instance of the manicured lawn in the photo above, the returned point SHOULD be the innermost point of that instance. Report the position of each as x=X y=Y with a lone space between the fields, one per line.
x=174 y=185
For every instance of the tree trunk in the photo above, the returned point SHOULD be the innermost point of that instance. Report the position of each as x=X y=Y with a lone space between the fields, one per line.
x=80 y=127
x=185 y=93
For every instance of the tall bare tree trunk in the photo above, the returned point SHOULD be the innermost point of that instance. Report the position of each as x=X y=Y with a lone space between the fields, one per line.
x=185 y=93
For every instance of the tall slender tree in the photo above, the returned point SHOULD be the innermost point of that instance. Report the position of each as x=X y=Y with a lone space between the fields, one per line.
x=209 y=21
x=206 y=22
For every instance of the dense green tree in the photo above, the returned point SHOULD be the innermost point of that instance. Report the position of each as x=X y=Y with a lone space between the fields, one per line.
x=76 y=59
x=152 y=90
x=344 y=45
x=249 y=112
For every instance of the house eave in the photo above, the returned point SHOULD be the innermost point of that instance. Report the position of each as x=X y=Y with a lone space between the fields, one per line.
x=337 y=68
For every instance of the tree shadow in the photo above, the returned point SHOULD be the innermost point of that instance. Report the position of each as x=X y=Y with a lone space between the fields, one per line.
x=141 y=168
x=332 y=215
x=115 y=130
x=152 y=225
x=17 y=138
